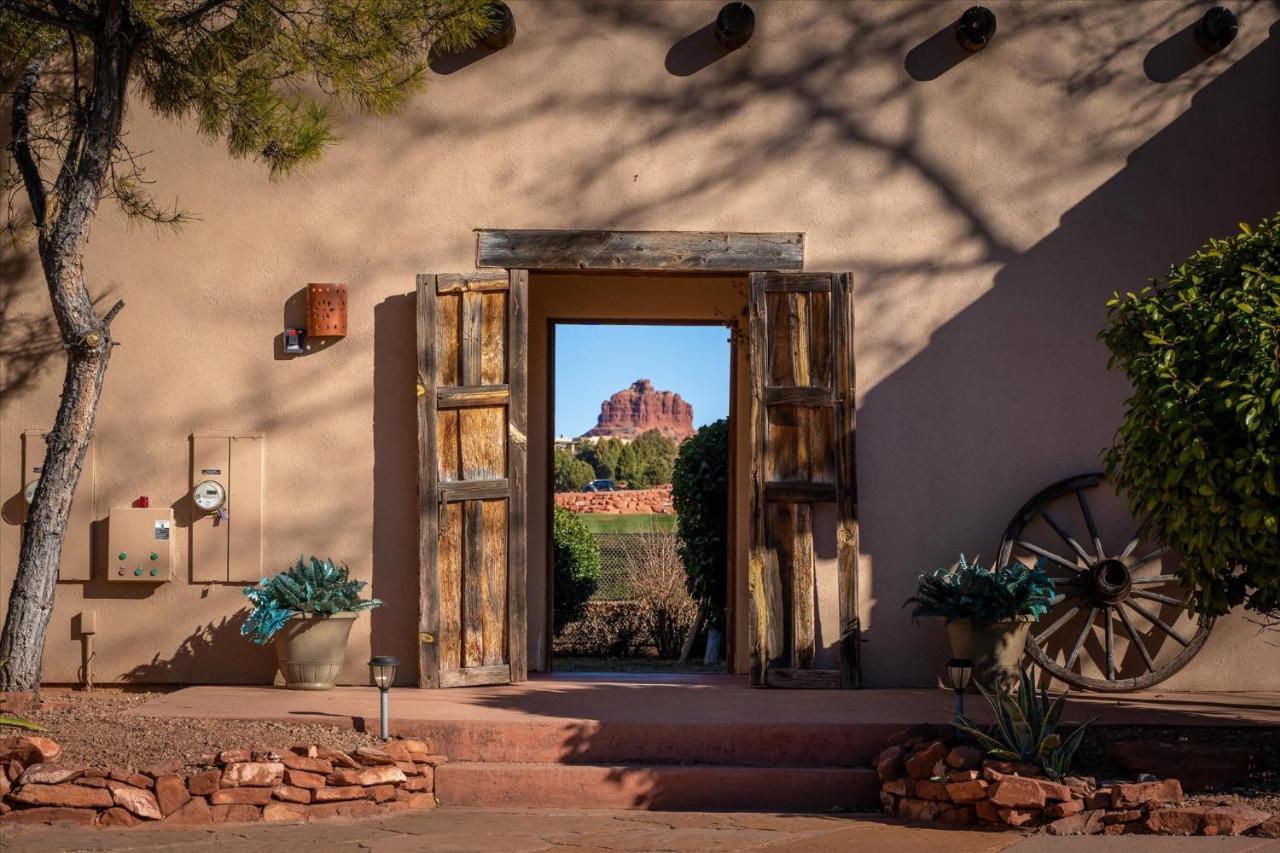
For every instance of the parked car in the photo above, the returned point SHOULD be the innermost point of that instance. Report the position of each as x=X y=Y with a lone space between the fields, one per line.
x=600 y=486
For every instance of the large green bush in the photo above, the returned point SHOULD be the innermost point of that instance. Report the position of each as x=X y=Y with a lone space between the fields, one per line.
x=1199 y=449
x=603 y=456
x=647 y=461
x=569 y=473
x=700 y=492
x=577 y=567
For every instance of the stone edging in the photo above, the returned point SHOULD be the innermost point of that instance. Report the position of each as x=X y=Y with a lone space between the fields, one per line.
x=236 y=785
x=926 y=776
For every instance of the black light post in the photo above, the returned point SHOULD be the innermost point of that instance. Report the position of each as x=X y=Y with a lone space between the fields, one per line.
x=959 y=673
x=382 y=672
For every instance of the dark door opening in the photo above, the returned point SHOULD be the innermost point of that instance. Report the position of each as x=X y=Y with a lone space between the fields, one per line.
x=626 y=401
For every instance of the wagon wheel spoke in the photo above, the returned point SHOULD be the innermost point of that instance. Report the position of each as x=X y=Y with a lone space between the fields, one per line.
x=1084 y=633
x=1155 y=596
x=1132 y=544
x=1047 y=554
x=1158 y=622
x=1065 y=536
x=1088 y=521
x=1133 y=636
x=1057 y=623
x=1150 y=558
x=1153 y=580
x=1110 y=636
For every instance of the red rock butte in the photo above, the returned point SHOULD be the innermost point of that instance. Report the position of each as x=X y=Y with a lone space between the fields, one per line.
x=640 y=408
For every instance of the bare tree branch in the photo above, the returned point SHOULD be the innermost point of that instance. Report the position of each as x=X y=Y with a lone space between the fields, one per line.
x=20 y=145
x=72 y=20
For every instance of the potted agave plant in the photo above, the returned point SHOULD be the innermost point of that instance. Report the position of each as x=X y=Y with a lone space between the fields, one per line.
x=988 y=612
x=308 y=610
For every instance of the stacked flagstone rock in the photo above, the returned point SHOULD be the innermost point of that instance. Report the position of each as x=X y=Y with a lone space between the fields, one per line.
x=927 y=776
x=236 y=785
x=651 y=501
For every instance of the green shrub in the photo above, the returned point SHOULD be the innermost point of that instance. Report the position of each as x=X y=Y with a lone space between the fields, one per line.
x=577 y=567
x=1026 y=728
x=569 y=473
x=972 y=592
x=1199 y=449
x=647 y=461
x=603 y=457
x=317 y=586
x=700 y=493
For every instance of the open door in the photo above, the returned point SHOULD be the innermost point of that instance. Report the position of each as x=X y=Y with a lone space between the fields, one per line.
x=802 y=457
x=472 y=422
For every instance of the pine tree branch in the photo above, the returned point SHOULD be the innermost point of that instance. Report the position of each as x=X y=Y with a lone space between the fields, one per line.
x=70 y=19
x=20 y=144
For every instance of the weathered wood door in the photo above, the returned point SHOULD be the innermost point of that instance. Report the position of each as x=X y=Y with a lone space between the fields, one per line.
x=802 y=422
x=472 y=422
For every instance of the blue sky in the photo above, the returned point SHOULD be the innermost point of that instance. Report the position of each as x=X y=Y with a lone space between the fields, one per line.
x=593 y=362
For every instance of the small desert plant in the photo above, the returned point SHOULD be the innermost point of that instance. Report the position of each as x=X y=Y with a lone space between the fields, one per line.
x=657 y=579
x=316 y=586
x=16 y=721
x=977 y=594
x=1026 y=728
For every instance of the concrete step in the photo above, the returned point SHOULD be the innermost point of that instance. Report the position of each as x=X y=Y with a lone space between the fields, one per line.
x=596 y=742
x=658 y=787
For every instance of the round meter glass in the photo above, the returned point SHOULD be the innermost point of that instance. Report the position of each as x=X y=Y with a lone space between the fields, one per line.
x=29 y=491
x=210 y=495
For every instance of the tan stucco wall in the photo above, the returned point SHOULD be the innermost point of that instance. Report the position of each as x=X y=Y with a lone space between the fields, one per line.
x=985 y=214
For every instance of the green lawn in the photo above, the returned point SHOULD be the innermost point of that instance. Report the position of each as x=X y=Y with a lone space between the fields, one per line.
x=599 y=522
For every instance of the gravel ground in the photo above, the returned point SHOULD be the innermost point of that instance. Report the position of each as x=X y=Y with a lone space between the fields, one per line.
x=92 y=729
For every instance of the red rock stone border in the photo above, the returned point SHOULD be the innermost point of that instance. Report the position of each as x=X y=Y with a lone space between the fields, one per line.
x=627 y=502
x=925 y=776
x=236 y=785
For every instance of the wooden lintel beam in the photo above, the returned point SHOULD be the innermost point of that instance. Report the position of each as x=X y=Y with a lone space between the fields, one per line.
x=644 y=251
x=470 y=396
x=475 y=490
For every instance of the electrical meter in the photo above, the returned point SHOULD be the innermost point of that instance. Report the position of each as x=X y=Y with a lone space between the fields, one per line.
x=209 y=495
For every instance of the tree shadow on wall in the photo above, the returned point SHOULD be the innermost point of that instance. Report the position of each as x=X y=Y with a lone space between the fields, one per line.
x=202 y=658
x=1025 y=355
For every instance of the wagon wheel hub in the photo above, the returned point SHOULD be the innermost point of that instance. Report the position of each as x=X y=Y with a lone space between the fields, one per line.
x=1110 y=581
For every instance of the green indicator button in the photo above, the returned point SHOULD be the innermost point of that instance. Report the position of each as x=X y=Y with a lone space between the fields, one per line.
x=123 y=555
x=137 y=571
x=154 y=555
x=155 y=572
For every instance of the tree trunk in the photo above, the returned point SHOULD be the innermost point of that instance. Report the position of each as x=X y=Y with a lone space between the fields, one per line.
x=62 y=220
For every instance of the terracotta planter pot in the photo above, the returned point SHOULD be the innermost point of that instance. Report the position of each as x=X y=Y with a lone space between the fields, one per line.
x=310 y=649
x=996 y=648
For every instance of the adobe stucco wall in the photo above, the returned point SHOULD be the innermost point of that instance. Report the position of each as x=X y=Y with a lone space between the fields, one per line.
x=986 y=209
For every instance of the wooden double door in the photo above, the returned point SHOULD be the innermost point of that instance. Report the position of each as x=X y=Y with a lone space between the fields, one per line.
x=472 y=496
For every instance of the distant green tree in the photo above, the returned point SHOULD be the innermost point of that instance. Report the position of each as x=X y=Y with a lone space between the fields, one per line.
x=569 y=473
x=700 y=493
x=577 y=568
x=648 y=461
x=603 y=457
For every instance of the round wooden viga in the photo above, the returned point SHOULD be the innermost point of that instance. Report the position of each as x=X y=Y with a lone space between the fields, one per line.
x=326 y=310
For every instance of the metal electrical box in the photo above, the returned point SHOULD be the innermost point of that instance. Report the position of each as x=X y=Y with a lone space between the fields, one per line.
x=226 y=507
x=140 y=545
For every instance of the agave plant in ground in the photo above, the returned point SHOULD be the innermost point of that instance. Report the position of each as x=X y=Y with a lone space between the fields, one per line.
x=1026 y=728
x=309 y=610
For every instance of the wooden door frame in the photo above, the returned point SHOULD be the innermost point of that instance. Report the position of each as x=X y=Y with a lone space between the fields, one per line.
x=521 y=251
x=731 y=569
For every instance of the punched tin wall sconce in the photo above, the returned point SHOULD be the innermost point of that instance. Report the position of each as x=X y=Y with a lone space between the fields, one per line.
x=326 y=310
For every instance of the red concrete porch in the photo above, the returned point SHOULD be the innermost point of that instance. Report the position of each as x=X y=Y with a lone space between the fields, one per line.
x=667 y=742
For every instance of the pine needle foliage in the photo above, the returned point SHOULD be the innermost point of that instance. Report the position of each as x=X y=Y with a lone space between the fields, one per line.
x=1026 y=728
x=977 y=594
x=312 y=586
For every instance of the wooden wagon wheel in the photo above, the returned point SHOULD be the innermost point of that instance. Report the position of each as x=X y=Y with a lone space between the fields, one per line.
x=1107 y=597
